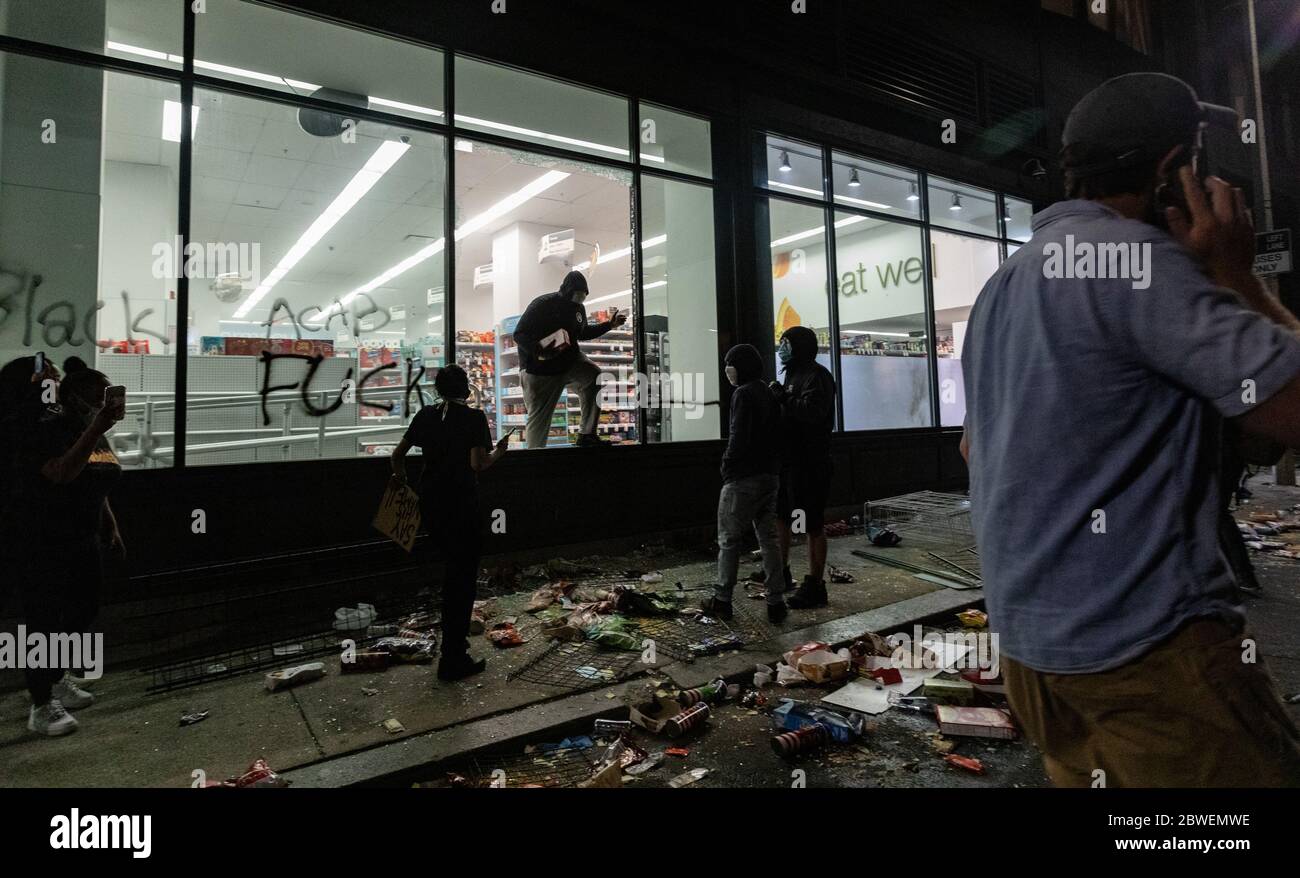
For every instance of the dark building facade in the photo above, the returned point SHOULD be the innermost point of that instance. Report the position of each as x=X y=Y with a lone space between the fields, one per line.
x=414 y=173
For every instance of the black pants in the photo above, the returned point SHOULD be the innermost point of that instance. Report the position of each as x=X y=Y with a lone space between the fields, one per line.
x=454 y=535
x=60 y=590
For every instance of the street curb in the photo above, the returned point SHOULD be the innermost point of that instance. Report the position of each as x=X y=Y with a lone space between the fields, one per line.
x=418 y=757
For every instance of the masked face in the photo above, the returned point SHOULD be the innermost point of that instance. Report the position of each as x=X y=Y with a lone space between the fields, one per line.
x=732 y=375
x=784 y=352
x=580 y=296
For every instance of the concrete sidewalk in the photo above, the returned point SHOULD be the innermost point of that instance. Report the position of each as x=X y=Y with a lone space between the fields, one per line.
x=129 y=738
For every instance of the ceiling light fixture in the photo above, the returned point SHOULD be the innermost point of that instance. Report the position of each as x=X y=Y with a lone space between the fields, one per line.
x=606 y=298
x=911 y=193
x=785 y=161
x=809 y=233
x=493 y=213
x=802 y=189
x=853 y=179
x=876 y=204
x=619 y=254
x=375 y=168
x=171 y=127
x=956 y=202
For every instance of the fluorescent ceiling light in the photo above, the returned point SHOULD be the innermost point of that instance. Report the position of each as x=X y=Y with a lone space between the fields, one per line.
x=619 y=254
x=255 y=75
x=399 y=105
x=621 y=293
x=808 y=233
x=873 y=332
x=792 y=188
x=493 y=213
x=126 y=49
x=375 y=168
x=876 y=204
x=532 y=132
x=171 y=129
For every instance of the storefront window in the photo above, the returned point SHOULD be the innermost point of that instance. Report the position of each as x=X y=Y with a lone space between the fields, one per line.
x=869 y=185
x=1017 y=218
x=789 y=166
x=883 y=340
x=680 y=330
x=147 y=31
x=87 y=233
x=673 y=141
x=523 y=221
x=963 y=208
x=532 y=108
x=960 y=266
x=305 y=347
x=258 y=45
x=797 y=246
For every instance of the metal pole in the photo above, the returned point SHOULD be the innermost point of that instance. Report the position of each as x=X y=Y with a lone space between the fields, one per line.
x=1284 y=472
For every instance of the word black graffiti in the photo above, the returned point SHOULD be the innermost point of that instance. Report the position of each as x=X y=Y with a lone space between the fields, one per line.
x=58 y=321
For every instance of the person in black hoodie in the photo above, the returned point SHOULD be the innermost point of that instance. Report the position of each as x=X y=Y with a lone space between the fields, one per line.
x=749 y=482
x=550 y=359
x=807 y=400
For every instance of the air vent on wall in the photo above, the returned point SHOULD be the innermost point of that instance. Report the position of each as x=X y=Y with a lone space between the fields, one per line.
x=913 y=68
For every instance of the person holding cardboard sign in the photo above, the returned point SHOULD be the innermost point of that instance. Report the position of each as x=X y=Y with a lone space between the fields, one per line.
x=456 y=445
x=548 y=334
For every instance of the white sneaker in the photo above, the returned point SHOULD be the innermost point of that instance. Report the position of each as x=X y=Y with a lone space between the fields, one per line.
x=51 y=720
x=79 y=682
x=71 y=696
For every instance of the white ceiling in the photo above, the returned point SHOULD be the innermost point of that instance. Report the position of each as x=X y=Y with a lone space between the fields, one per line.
x=258 y=177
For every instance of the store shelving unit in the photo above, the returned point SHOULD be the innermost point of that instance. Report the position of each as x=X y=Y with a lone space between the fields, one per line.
x=475 y=353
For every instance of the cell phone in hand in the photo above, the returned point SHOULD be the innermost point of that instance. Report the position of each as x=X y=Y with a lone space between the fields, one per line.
x=115 y=399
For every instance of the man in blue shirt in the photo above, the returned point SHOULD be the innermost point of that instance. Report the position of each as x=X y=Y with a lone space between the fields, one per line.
x=1099 y=364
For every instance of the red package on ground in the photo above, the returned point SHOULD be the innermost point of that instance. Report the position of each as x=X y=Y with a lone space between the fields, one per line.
x=504 y=634
x=974 y=766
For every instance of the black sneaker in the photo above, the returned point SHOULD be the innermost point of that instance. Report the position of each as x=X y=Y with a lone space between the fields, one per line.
x=716 y=608
x=811 y=593
x=586 y=440
x=776 y=613
x=459 y=667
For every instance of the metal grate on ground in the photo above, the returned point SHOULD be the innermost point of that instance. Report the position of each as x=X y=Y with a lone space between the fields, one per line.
x=686 y=638
x=263 y=652
x=577 y=665
x=940 y=521
x=565 y=767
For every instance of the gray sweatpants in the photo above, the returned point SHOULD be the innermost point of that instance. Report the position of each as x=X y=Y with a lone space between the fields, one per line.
x=543 y=392
x=742 y=503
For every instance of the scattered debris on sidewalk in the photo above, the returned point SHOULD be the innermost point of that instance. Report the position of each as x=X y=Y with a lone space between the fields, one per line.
x=295 y=676
x=193 y=717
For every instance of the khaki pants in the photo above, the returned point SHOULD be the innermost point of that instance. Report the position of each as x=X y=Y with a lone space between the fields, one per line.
x=542 y=392
x=1189 y=713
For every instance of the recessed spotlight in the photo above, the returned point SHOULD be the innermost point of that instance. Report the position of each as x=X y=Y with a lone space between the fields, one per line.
x=853 y=178
x=785 y=161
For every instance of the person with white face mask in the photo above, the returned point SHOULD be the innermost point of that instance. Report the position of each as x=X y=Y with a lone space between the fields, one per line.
x=749 y=483
x=548 y=334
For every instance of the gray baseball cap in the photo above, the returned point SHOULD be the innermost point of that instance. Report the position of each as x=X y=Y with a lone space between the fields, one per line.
x=1135 y=118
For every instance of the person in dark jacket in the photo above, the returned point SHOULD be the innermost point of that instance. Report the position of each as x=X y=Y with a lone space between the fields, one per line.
x=63 y=472
x=456 y=447
x=807 y=400
x=749 y=483
x=550 y=359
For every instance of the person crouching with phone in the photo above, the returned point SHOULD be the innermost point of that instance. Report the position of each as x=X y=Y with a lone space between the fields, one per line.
x=64 y=471
x=457 y=446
